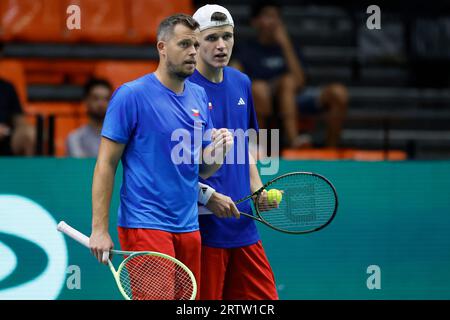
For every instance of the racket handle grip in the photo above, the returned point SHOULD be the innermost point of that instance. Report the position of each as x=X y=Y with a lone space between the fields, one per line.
x=105 y=256
x=73 y=233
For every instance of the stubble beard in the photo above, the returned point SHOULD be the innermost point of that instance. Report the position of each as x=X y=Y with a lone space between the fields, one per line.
x=177 y=72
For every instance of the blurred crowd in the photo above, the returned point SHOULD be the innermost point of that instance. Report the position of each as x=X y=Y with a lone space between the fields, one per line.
x=275 y=65
x=282 y=95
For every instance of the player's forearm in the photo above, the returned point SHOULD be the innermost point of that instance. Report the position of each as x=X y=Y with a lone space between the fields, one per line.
x=255 y=179
x=215 y=153
x=102 y=188
x=207 y=170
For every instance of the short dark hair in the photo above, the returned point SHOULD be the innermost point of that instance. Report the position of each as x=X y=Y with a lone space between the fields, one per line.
x=168 y=24
x=258 y=6
x=95 y=82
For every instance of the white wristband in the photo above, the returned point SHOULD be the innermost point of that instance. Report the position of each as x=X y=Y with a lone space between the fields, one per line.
x=204 y=193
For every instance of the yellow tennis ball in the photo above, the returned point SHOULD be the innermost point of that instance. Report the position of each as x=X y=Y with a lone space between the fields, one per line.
x=274 y=195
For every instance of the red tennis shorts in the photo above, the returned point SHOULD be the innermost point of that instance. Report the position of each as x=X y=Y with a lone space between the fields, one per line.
x=185 y=247
x=237 y=274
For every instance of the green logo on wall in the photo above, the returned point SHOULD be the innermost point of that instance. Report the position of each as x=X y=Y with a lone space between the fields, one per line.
x=34 y=254
x=30 y=261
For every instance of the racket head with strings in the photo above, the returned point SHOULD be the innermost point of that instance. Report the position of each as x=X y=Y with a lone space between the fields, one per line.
x=309 y=203
x=149 y=275
x=145 y=275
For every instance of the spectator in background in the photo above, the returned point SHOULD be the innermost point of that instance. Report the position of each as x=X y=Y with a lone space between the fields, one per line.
x=16 y=136
x=85 y=141
x=277 y=73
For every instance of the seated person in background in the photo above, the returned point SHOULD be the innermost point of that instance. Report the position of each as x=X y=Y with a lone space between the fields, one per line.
x=85 y=141
x=16 y=136
x=277 y=74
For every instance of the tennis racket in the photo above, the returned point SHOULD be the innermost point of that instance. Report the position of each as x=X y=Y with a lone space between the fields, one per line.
x=145 y=275
x=309 y=203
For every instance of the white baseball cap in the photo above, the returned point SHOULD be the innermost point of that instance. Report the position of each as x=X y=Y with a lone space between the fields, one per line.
x=203 y=17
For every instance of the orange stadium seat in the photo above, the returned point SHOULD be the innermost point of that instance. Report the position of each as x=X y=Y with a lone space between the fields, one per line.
x=68 y=117
x=343 y=154
x=56 y=71
x=311 y=154
x=119 y=72
x=375 y=155
x=101 y=21
x=32 y=20
x=56 y=108
x=112 y=21
x=44 y=78
x=147 y=14
x=12 y=70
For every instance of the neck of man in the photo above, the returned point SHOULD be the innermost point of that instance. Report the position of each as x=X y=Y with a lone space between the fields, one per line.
x=170 y=81
x=211 y=73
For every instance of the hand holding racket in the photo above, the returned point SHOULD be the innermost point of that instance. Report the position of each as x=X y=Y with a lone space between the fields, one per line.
x=101 y=244
x=309 y=203
x=145 y=275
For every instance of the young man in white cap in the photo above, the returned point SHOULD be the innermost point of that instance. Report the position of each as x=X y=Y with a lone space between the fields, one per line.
x=234 y=264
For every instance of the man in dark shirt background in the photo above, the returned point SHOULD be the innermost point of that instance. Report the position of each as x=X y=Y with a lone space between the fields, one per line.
x=276 y=68
x=16 y=136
